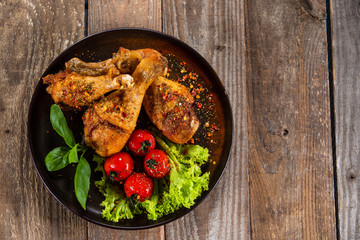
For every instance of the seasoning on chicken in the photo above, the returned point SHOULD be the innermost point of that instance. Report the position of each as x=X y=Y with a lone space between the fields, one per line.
x=76 y=91
x=89 y=68
x=124 y=59
x=169 y=106
x=110 y=122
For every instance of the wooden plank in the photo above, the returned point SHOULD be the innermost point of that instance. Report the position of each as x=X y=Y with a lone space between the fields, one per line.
x=216 y=30
x=290 y=151
x=107 y=14
x=345 y=22
x=33 y=33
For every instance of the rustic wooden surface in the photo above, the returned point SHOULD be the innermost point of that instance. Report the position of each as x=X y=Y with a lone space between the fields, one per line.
x=33 y=33
x=345 y=22
x=207 y=221
x=273 y=59
x=108 y=14
x=290 y=154
x=225 y=213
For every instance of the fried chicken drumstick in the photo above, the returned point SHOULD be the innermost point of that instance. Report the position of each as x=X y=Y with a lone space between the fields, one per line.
x=169 y=106
x=76 y=91
x=110 y=122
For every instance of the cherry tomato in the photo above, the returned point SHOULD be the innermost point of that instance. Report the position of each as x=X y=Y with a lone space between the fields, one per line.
x=139 y=187
x=156 y=164
x=140 y=142
x=119 y=166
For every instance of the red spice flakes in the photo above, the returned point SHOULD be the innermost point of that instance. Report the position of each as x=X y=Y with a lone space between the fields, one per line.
x=201 y=92
x=110 y=110
x=210 y=98
x=214 y=127
x=124 y=114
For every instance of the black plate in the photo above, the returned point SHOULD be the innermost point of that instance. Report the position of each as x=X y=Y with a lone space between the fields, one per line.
x=43 y=139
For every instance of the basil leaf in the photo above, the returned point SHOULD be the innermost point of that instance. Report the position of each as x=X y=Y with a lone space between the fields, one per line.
x=82 y=181
x=73 y=155
x=57 y=158
x=59 y=123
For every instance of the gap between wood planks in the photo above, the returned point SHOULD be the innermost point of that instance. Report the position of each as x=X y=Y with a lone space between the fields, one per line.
x=86 y=18
x=332 y=113
x=332 y=100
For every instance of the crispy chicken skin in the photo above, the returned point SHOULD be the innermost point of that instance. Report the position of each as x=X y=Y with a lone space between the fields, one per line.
x=124 y=59
x=169 y=106
x=76 y=91
x=109 y=122
x=89 y=68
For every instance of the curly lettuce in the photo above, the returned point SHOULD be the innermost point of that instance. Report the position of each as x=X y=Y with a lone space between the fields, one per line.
x=186 y=182
x=181 y=188
x=115 y=206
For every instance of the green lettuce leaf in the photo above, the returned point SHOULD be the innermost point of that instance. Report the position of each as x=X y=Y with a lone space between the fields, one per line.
x=150 y=205
x=186 y=181
x=181 y=188
x=116 y=206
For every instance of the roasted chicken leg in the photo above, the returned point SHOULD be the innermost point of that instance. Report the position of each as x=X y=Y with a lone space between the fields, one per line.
x=90 y=68
x=75 y=90
x=109 y=123
x=169 y=106
x=125 y=60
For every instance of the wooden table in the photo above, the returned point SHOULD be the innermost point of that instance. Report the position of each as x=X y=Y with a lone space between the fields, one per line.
x=292 y=70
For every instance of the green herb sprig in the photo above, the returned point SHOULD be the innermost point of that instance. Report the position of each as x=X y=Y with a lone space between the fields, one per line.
x=60 y=157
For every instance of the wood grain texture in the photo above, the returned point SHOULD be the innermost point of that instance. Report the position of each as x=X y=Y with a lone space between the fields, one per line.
x=33 y=32
x=108 y=14
x=290 y=156
x=216 y=30
x=345 y=22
